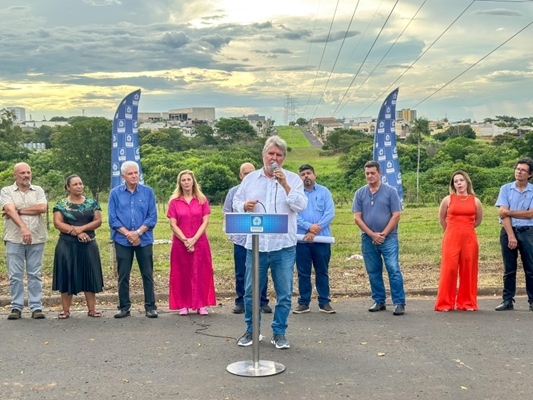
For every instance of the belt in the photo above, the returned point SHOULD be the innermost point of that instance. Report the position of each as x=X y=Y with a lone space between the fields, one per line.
x=522 y=228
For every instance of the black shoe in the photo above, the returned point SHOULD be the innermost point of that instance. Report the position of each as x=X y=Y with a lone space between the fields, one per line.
x=506 y=305
x=531 y=307
x=150 y=313
x=239 y=309
x=377 y=307
x=122 y=314
x=399 y=310
x=265 y=308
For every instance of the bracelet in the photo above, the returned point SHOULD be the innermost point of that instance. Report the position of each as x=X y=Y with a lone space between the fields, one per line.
x=18 y=211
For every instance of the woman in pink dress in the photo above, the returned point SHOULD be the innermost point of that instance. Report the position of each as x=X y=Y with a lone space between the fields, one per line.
x=191 y=283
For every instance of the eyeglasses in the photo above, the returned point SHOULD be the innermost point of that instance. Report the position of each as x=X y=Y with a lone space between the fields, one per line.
x=372 y=199
x=522 y=170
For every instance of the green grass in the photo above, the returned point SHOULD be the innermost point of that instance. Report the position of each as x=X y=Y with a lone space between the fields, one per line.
x=293 y=136
x=420 y=240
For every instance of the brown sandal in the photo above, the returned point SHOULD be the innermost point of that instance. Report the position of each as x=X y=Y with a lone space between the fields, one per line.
x=94 y=314
x=63 y=315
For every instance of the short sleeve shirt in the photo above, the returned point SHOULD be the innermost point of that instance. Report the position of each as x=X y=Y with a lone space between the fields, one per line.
x=35 y=223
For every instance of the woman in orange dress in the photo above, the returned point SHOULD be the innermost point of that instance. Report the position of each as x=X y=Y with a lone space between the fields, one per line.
x=460 y=213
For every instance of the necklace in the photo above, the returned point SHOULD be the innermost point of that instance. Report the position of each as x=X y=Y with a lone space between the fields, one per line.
x=465 y=199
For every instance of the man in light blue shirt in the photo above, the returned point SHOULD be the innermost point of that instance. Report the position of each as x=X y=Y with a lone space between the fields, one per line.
x=314 y=222
x=239 y=251
x=132 y=218
x=516 y=213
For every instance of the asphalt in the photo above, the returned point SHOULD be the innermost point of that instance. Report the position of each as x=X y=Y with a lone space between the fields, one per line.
x=351 y=354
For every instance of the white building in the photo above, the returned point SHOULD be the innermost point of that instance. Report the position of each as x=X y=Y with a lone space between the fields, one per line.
x=20 y=113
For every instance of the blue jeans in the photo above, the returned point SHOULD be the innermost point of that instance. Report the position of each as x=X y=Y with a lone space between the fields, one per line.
x=32 y=255
x=307 y=256
x=239 y=257
x=372 y=255
x=281 y=263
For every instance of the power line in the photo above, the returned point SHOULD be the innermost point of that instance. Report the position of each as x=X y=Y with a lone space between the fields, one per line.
x=390 y=48
x=367 y=54
x=337 y=58
x=420 y=56
x=473 y=65
x=322 y=57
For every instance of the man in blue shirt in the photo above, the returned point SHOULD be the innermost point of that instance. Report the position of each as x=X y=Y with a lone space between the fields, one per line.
x=132 y=218
x=239 y=251
x=376 y=207
x=516 y=216
x=314 y=222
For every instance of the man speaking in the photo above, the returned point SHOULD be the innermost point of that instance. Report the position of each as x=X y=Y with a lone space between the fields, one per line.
x=272 y=190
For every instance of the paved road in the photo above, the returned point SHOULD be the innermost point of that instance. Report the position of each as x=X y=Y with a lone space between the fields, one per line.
x=312 y=139
x=352 y=354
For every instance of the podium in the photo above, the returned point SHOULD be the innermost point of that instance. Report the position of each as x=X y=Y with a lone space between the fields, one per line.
x=255 y=225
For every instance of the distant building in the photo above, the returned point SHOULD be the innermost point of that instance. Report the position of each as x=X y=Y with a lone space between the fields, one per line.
x=406 y=114
x=199 y=114
x=206 y=114
x=20 y=113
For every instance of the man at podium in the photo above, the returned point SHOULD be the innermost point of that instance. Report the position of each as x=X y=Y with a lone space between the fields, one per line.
x=272 y=189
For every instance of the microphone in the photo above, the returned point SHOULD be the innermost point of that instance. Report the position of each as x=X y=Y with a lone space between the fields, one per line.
x=275 y=166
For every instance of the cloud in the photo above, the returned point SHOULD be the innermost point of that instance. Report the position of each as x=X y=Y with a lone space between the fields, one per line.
x=175 y=39
x=217 y=41
x=333 y=36
x=100 y=3
x=499 y=12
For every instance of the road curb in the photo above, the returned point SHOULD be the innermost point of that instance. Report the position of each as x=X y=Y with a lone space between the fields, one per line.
x=55 y=300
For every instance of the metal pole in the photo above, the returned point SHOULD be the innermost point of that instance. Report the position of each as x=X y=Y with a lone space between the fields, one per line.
x=255 y=367
x=255 y=300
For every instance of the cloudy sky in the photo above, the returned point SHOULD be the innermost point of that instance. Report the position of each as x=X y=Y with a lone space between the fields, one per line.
x=333 y=57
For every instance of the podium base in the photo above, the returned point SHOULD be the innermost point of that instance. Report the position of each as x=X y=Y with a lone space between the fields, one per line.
x=246 y=368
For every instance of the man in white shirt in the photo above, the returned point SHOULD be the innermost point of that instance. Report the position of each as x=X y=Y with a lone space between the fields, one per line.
x=272 y=189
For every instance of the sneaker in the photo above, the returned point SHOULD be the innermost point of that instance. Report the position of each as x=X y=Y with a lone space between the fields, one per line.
x=301 y=309
x=37 y=314
x=247 y=339
x=239 y=309
x=327 y=309
x=14 y=314
x=265 y=308
x=280 y=342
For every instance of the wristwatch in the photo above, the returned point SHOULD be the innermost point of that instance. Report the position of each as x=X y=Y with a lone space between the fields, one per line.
x=139 y=232
x=18 y=211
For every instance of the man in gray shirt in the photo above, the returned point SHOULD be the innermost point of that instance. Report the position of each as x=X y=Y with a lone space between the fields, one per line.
x=25 y=234
x=376 y=209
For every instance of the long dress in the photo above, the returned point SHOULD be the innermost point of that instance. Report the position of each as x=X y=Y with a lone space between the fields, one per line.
x=191 y=282
x=460 y=250
x=77 y=265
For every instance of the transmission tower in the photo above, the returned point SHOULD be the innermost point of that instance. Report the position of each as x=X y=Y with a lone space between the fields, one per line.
x=290 y=109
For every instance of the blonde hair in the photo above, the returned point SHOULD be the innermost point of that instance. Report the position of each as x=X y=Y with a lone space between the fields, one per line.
x=469 y=186
x=196 y=190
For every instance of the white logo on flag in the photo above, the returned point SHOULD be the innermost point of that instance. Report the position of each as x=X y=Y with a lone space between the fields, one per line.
x=381 y=128
x=129 y=141
x=388 y=142
x=121 y=126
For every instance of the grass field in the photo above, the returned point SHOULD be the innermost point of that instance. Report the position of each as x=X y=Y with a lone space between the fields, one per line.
x=420 y=241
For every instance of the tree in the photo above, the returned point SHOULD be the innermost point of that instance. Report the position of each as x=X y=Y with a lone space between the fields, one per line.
x=301 y=121
x=235 y=130
x=205 y=132
x=85 y=149
x=419 y=127
x=54 y=119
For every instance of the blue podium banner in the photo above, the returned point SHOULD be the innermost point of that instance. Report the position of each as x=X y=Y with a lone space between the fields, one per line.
x=255 y=224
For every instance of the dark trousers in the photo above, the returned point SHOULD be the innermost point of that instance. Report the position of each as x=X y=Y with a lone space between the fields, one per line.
x=239 y=257
x=145 y=259
x=307 y=256
x=510 y=257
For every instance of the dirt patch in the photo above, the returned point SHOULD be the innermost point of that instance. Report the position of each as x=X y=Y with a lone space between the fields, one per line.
x=349 y=280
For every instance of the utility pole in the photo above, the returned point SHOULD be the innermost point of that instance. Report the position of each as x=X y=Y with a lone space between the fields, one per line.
x=290 y=109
